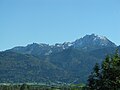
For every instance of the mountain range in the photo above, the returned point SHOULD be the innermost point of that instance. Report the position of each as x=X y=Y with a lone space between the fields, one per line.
x=69 y=62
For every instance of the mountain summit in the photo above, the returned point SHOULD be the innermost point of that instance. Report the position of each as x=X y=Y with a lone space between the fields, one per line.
x=93 y=42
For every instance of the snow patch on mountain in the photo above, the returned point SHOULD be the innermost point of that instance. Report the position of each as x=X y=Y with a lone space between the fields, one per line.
x=86 y=43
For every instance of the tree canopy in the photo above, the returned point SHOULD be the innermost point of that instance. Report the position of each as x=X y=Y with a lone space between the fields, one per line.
x=106 y=77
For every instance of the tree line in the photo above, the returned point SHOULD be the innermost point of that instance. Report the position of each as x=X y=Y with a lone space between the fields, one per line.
x=41 y=87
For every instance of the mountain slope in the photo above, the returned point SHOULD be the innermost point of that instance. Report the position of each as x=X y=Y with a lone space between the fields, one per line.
x=87 y=43
x=70 y=62
x=40 y=49
x=66 y=66
x=22 y=68
x=70 y=65
x=91 y=42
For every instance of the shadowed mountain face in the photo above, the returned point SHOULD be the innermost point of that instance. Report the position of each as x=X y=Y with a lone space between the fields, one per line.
x=70 y=62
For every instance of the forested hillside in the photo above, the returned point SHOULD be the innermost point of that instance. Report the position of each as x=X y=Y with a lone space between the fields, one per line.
x=69 y=62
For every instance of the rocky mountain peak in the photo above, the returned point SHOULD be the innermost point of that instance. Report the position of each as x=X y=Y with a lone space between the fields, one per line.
x=93 y=41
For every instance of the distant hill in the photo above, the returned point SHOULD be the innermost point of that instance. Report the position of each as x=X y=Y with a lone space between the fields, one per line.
x=70 y=62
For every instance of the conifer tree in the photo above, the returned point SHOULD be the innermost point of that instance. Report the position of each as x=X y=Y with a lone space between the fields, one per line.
x=108 y=77
x=24 y=87
x=93 y=81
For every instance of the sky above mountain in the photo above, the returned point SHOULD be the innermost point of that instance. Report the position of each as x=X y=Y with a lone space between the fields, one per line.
x=55 y=21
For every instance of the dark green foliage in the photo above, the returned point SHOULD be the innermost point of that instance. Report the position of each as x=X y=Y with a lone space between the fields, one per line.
x=108 y=78
x=41 y=87
x=24 y=87
x=93 y=81
x=22 y=68
x=68 y=66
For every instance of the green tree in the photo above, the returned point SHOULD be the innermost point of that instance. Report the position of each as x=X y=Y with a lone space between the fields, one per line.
x=108 y=77
x=24 y=87
x=93 y=81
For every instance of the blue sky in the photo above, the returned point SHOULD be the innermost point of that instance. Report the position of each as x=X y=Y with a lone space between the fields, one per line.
x=54 y=21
